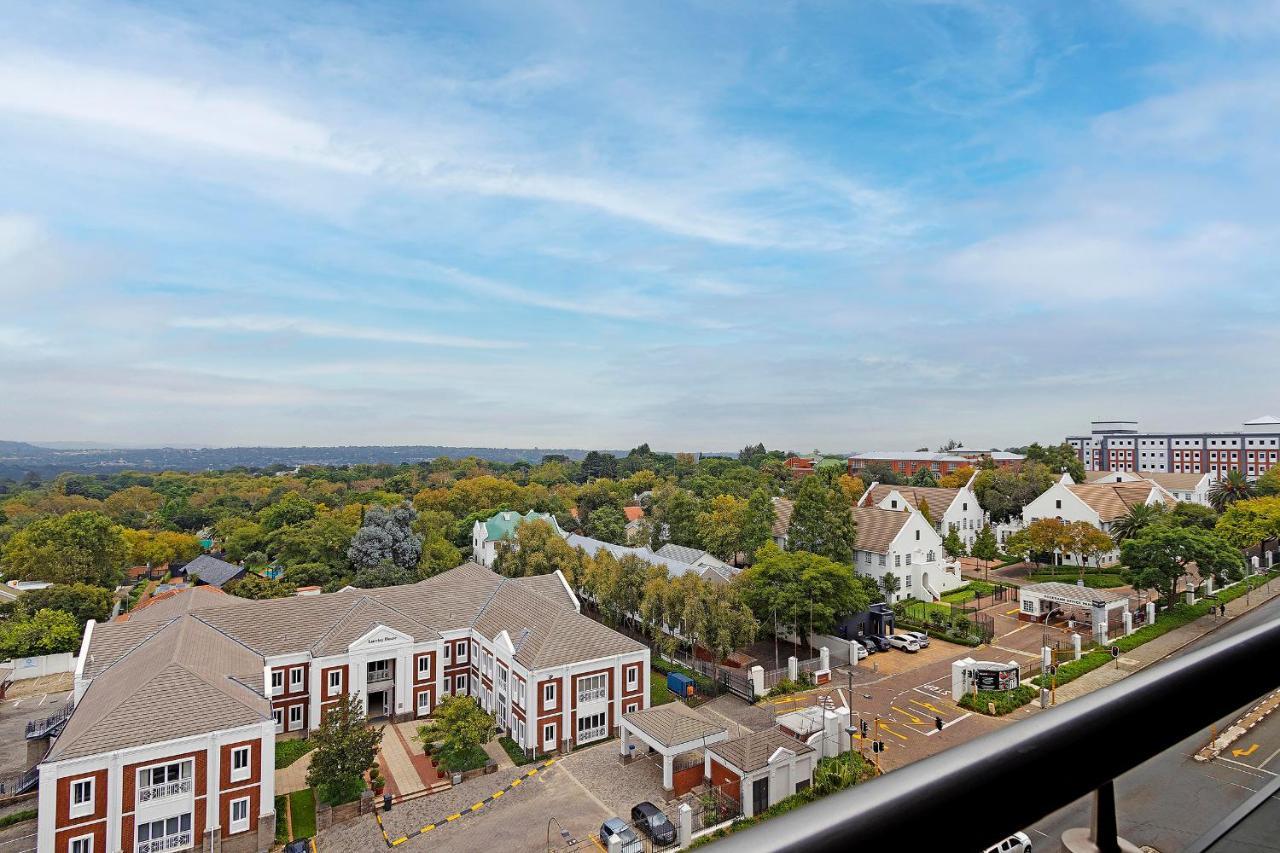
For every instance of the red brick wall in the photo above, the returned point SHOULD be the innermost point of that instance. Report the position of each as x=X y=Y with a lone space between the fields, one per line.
x=255 y=765
x=543 y=707
x=224 y=809
x=62 y=839
x=63 y=814
x=430 y=674
x=725 y=779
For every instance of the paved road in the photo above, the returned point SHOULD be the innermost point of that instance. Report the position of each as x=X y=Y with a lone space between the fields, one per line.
x=1171 y=799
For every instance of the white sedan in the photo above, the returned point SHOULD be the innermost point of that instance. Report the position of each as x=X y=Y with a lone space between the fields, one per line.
x=904 y=643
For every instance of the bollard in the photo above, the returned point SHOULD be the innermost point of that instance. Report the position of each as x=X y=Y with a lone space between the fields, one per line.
x=386 y=802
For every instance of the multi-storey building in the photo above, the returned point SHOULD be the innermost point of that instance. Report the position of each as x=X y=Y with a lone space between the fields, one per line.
x=1121 y=446
x=1100 y=504
x=907 y=463
x=501 y=527
x=171 y=741
x=903 y=542
x=948 y=509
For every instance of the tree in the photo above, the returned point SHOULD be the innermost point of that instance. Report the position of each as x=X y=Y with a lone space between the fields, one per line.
x=386 y=535
x=1059 y=458
x=958 y=478
x=720 y=528
x=386 y=573
x=1227 y=490
x=1085 y=542
x=460 y=726
x=438 y=555
x=853 y=487
x=80 y=547
x=1003 y=492
x=293 y=508
x=1269 y=483
x=255 y=561
x=757 y=523
x=610 y=524
x=1187 y=514
x=346 y=746
x=1132 y=523
x=797 y=586
x=927 y=512
x=257 y=587
x=924 y=478
x=1246 y=523
x=156 y=548
x=83 y=601
x=985 y=547
x=675 y=515
x=952 y=545
x=822 y=523
x=1041 y=536
x=44 y=632
x=133 y=506
x=889 y=585
x=880 y=472
x=597 y=465
x=1159 y=556
x=538 y=550
x=726 y=623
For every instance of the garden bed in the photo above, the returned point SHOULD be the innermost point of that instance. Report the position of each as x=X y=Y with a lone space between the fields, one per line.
x=1093 y=580
x=463 y=760
x=514 y=751
x=1005 y=701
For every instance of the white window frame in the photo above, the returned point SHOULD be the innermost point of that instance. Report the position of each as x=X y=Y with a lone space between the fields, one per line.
x=597 y=727
x=333 y=684
x=81 y=844
x=239 y=774
x=277 y=682
x=277 y=714
x=593 y=688
x=549 y=695
x=633 y=677
x=241 y=825
x=294 y=725
x=424 y=667
x=548 y=727
x=146 y=790
x=462 y=653
x=295 y=677
x=85 y=807
x=461 y=683
x=448 y=685
x=424 y=701
x=448 y=652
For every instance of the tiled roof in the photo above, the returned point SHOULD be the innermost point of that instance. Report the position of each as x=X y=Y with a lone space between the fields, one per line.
x=909 y=456
x=674 y=568
x=878 y=527
x=683 y=553
x=174 y=602
x=213 y=571
x=633 y=513
x=184 y=679
x=1069 y=593
x=1168 y=480
x=782 y=510
x=752 y=751
x=672 y=724
x=1113 y=500
x=503 y=525
x=938 y=498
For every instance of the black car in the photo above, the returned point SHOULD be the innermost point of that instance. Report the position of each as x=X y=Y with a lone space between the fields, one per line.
x=881 y=643
x=649 y=818
x=867 y=644
x=298 y=845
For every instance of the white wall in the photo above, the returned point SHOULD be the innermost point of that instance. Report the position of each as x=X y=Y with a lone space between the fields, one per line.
x=38 y=667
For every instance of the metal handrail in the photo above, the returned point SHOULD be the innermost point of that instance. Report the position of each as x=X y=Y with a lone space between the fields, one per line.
x=974 y=795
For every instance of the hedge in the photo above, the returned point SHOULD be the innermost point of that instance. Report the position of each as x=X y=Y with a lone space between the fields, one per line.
x=17 y=817
x=513 y=749
x=1005 y=701
x=1093 y=580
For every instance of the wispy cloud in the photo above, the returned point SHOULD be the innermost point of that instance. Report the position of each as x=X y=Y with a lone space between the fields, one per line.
x=336 y=331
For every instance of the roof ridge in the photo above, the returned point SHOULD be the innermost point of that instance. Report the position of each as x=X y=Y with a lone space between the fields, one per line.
x=337 y=622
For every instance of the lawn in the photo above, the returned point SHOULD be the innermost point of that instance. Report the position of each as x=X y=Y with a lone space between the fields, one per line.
x=658 y=692
x=968 y=592
x=303 y=804
x=282 y=825
x=289 y=751
x=1093 y=580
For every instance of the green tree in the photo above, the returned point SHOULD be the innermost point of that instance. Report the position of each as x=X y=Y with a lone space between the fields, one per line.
x=952 y=545
x=83 y=601
x=1187 y=514
x=80 y=547
x=890 y=584
x=1227 y=490
x=44 y=632
x=822 y=523
x=1269 y=483
x=346 y=747
x=386 y=573
x=1085 y=542
x=757 y=523
x=1135 y=520
x=1246 y=523
x=720 y=528
x=460 y=726
x=538 y=550
x=796 y=588
x=924 y=478
x=675 y=518
x=985 y=547
x=438 y=555
x=257 y=587
x=293 y=508
x=1159 y=556
x=610 y=524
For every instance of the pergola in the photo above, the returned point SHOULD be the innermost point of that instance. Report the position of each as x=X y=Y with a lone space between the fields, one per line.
x=1038 y=600
x=669 y=730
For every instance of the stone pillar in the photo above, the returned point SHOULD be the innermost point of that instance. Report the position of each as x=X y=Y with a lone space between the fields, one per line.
x=1191 y=596
x=1151 y=612
x=824 y=656
x=1128 y=623
x=793 y=668
x=1075 y=645
x=667 y=781
x=686 y=825
x=622 y=742
x=1208 y=585
x=756 y=674
x=267 y=830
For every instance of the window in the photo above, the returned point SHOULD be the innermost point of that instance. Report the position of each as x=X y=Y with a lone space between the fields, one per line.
x=592 y=727
x=448 y=684
x=295 y=717
x=83 y=844
x=166 y=834
x=448 y=652
x=424 y=668
x=917 y=535
x=592 y=689
x=633 y=677
x=549 y=736
x=335 y=681
x=866 y=556
x=277 y=682
x=1057 y=504
x=462 y=652
x=549 y=694
x=295 y=678
x=460 y=683
x=277 y=714
x=908 y=559
x=240 y=815
x=241 y=755
x=908 y=583
x=81 y=797
x=931 y=557
x=164 y=780
x=897 y=560
x=424 y=702
x=881 y=556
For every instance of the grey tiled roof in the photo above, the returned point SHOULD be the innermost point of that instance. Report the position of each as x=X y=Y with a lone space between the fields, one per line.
x=877 y=527
x=683 y=553
x=213 y=571
x=673 y=723
x=782 y=510
x=752 y=751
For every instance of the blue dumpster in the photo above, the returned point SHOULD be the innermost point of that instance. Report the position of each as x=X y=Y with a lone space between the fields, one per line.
x=681 y=685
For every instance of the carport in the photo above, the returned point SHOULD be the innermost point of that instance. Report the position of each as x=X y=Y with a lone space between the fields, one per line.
x=669 y=730
x=1039 y=601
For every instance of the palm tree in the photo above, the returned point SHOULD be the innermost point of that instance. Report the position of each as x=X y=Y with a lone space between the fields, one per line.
x=1139 y=517
x=1227 y=490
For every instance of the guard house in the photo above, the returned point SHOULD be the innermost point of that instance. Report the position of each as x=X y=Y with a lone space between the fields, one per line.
x=875 y=620
x=1078 y=606
x=670 y=730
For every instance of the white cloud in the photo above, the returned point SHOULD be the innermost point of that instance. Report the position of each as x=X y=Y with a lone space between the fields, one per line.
x=1239 y=19
x=340 y=331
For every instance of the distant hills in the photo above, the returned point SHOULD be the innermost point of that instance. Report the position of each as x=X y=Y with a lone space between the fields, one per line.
x=17 y=458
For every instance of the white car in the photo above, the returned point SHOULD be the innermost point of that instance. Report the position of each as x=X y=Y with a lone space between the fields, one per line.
x=904 y=643
x=922 y=639
x=1019 y=842
x=858 y=651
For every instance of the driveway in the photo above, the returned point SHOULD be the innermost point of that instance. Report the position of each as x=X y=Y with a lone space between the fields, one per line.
x=14 y=715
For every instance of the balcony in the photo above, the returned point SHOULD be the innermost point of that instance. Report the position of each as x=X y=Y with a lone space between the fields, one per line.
x=379 y=674
x=178 y=841
x=972 y=796
x=588 y=735
x=164 y=790
x=593 y=694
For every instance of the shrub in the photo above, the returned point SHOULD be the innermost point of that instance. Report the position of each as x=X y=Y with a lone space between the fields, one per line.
x=1005 y=701
x=785 y=686
x=17 y=817
x=514 y=751
x=335 y=792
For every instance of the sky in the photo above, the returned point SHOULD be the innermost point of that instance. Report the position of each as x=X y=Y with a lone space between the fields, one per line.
x=862 y=225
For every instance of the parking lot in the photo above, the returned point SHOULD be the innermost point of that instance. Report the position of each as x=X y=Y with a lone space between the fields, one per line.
x=15 y=712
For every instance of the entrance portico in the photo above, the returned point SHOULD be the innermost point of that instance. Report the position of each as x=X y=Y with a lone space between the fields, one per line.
x=668 y=730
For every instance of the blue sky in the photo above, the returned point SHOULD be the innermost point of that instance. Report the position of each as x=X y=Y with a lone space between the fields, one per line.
x=842 y=226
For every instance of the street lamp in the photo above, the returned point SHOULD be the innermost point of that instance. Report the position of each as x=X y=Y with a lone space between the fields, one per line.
x=564 y=833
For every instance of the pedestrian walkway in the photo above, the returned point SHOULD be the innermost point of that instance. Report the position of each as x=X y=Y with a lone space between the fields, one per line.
x=1161 y=647
x=495 y=751
x=402 y=776
x=294 y=777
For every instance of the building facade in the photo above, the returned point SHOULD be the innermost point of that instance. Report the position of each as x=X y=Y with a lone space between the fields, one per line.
x=907 y=463
x=1122 y=446
x=904 y=543
x=950 y=509
x=485 y=535
x=1099 y=504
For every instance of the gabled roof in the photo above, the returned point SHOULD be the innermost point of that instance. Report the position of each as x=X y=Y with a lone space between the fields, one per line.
x=633 y=513
x=1114 y=500
x=364 y=615
x=877 y=528
x=752 y=751
x=503 y=525
x=1265 y=420
x=175 y=602
x=184 y=679
x=213 y=571
x=673 y=724
x=938 y=498
x=1168 y=480
x=782 y=510
x=674 y=568
x=683 y=553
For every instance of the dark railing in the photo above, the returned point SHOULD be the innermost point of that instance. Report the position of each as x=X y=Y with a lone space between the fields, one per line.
x=1036 y=766
x=47 y=725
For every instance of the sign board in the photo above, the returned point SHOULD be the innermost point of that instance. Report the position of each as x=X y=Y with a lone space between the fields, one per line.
x=995 y=676
x=1115 y=651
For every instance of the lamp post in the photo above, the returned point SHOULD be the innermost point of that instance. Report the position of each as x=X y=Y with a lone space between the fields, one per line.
x=564 y=833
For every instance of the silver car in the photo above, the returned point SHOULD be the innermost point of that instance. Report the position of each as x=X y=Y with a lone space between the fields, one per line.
x=904 y=643
x=921 y=638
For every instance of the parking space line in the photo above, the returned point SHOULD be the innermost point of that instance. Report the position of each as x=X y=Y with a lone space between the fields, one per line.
x=1268 y=759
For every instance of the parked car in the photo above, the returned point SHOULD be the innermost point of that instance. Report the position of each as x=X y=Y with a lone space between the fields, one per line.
x=650 y=819
x=904 y=643
x=859 y=651
x=881 y=643
x=298 y=845
x=870 y=647
x=630 y=842
x=1019 y=842
x=921 y=638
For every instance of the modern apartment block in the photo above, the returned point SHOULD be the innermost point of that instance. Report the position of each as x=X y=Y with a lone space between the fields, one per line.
x=1122 y=446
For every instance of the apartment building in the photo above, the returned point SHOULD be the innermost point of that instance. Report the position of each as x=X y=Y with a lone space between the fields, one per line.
x=1098 y=503
x=171 y=742
x=904 y=543
x=1122 y=446
x=907 y=463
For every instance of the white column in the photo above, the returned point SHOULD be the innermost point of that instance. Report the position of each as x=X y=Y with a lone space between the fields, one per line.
x=1128 y=623
x=757 y=680
x=405 y=675
x=622 y=740
x=1075 y=645
x=686 y=825
x=1046 y=657
x=824 y=655
x=667 y=782
x=793 y=668
x=1151 y=612
x=213 y=784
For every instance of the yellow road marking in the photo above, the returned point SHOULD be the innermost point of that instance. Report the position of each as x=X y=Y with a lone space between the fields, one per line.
x=401 y=840
x=428 y=827
x=913 y=717
x=452 y=817
x=927 y=706
x=477 y=807
x=497 y=794
x=533 y=772
x=885 y=728
x=517 y=782
x=1240 y=753
x=1013 y=611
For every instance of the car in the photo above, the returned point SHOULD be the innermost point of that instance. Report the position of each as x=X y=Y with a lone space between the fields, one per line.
x=868 y=646
x=1019 y=842
x=298 y=845
x=881 y=643
x=858 y=652
x=628 y=841
x=904 y=643
x=650 y=820
x=921 y=638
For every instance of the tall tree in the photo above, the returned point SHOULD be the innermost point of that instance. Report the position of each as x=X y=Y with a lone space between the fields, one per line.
x=794 y=588
x=952 y=545
x=1139 y=517
x=83 y=601
x=890 y=585
x=1159 y=557
x=720 y=528
x=822 y=523
x=757 y=523
x=80 y=547
x=1269 y=483
x=459 y=725
x=1085 y=542
x=538 y=550
x=924 y=478
x=1228 y=489
x=386 y=535
x=1246 y=523
x=45 y=632
x=346 y=746
x=609 y=523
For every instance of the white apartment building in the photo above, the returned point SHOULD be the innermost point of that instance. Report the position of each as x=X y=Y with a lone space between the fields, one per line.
x=950 y=509
x=905 y=543
x=1099 y=504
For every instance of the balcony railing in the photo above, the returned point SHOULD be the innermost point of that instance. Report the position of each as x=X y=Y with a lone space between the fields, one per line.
x=594 y=694
x=177 y=841
x=586 y=735
x=1038 y=765
x=377 y=676
x=164 y=790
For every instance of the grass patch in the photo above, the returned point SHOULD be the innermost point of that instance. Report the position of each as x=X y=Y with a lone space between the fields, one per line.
x=17 y=817
x=514 y=751
x=303 y=804
x=665 y=666
x=968 y=592
x=659 y=693
x=1093 y=580
x=289 y=751
x=282 y=823
x=1005 y=701
x=463 y=760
